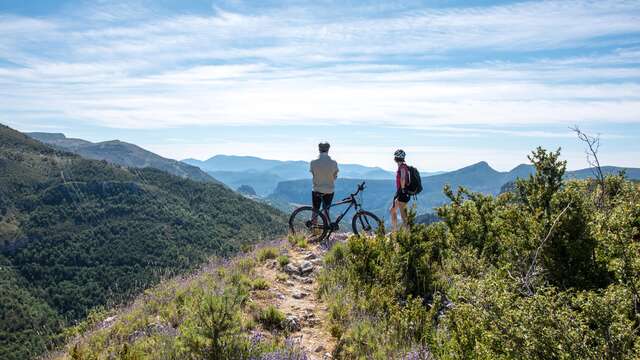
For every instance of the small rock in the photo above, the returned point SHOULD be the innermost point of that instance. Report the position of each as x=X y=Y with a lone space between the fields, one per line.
x=299 y=295
x=107 y=322
x=291 y=269
x=304 y=280
x=316 y=261
x=319 y=348
x=271 y=264
x=311 y=256
x=289 y=283
x=292 y=323
x=326 y=356
x=306 y=267
x=280 y=296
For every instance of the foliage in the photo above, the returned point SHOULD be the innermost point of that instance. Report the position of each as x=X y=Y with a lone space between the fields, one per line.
x=267 y=253
x=283 y=260
x=539 y=272
x=27 y=322
x=259 y=284
x=298 y=240
x=271 y=318
x=214 y=333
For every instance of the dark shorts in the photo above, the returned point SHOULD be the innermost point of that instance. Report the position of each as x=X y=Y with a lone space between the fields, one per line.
x=402 y=197
x=318 y=198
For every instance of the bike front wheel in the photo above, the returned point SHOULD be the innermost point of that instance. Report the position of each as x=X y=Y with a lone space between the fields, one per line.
x=308 y=223
x=365 y=223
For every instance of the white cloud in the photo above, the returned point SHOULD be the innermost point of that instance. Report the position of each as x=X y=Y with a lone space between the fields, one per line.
x=296 y=66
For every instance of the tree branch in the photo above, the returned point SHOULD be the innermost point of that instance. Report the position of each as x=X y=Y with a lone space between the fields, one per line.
x=530 y=273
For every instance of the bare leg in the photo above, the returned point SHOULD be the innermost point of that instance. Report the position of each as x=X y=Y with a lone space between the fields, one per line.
x=403 y=214
x=394 y=215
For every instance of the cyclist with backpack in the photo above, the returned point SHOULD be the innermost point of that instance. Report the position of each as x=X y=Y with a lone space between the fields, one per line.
x=408 y=182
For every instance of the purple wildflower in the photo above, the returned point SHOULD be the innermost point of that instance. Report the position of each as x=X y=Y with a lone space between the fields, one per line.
x=419 y=353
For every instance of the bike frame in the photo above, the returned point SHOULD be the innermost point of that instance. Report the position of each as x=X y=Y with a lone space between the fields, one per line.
x=351 y=200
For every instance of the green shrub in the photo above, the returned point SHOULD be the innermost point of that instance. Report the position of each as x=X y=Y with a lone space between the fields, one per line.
x=214 y=331
x=260 y=284
x=302 y=243
x=245 y=265
x=283 y=260
x=298 y=240
x=271 y=318
x=267 y=253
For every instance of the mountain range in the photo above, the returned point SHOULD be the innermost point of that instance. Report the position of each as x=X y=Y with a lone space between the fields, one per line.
x=121 y=153
x=285 y=184
x=263 y=175
x=76 y=234
x=479 y=177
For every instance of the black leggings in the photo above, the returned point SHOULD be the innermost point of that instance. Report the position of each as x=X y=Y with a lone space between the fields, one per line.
x=318 y=198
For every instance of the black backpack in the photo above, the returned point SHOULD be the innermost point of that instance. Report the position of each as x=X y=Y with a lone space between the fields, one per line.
x=415 y=182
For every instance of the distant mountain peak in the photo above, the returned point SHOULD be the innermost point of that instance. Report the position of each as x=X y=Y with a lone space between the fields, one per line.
x=479 y=166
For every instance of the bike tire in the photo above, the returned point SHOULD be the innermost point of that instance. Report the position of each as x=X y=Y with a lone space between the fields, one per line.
x=299 y=224
x=365 y=219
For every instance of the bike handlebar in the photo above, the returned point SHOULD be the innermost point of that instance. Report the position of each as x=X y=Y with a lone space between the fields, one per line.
x=361 y=187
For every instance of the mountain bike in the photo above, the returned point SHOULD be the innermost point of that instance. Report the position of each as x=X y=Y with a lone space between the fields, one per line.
x=315 y=226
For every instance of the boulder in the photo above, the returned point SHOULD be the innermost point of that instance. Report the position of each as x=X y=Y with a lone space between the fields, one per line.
x=292 y=323
x=299 y=295
x=306 y=267
x=291 y=269
x=316 y=261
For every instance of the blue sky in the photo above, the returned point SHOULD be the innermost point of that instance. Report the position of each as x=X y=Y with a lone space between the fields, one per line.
x=451 y=82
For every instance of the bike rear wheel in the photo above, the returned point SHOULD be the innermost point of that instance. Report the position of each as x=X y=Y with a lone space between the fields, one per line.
x=365 y=223
x=309 y=223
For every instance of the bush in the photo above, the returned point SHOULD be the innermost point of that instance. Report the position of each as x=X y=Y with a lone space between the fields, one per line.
x=298 y=240
x=267 y=253
x=215 y=330
x=283 y=260
x=260 y=284
x=271 y=318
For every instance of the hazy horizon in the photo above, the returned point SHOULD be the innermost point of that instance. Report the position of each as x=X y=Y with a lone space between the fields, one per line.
x=392 y=168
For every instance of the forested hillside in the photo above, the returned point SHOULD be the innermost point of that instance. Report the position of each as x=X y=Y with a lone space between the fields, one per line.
x=78 y=233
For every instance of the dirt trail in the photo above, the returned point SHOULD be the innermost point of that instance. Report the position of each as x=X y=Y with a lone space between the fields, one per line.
x=296 y=296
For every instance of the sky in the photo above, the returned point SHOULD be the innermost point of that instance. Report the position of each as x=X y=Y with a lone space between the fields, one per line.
x=450 y=82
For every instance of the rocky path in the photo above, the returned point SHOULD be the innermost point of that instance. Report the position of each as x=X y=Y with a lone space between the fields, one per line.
x=294 y=290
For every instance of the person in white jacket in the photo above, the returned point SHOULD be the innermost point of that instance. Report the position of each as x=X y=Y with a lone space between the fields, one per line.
x=325 y=172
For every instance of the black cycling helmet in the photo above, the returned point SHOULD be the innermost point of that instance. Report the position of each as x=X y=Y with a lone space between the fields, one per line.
x=324 y=147
x=399 y=155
